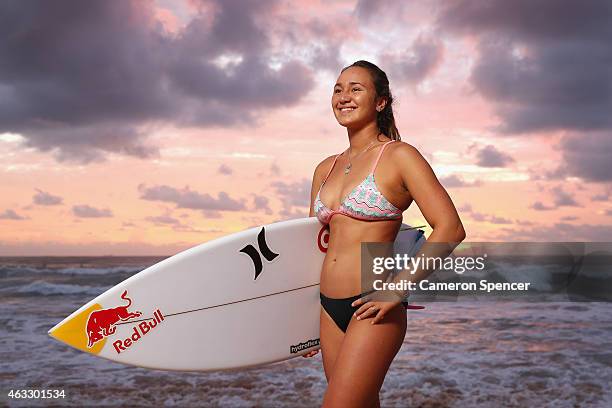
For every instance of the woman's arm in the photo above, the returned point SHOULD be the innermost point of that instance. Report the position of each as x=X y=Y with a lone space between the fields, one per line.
x=437 y=207
x=433 y=200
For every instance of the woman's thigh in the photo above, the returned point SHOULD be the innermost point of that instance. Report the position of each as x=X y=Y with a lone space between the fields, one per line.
x=331 y=339
x=364 y=358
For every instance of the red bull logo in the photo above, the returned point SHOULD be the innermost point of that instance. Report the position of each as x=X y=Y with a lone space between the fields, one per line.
x=101 y=323
x=138 y=331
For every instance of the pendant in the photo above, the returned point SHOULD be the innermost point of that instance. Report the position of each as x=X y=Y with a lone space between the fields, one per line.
x=347 y=169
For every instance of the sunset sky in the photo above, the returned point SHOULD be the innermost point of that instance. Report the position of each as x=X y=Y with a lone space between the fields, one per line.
x=148 y=127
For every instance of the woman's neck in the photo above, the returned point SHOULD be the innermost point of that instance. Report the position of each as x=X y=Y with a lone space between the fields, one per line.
x=362 y=138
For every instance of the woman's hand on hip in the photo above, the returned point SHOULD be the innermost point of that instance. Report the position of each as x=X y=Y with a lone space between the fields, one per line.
x=311 y=353
x=374 y=309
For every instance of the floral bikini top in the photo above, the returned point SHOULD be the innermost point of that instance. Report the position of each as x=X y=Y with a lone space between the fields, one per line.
x=364 y=202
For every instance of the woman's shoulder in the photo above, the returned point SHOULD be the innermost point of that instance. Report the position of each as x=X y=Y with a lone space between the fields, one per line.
x=402 y=150
x=322 y=168
x=325 y=163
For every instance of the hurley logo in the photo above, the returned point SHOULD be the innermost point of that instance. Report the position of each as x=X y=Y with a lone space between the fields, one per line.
x=255 y=255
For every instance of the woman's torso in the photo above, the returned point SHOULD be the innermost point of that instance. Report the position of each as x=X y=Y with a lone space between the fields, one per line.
x=341 y=274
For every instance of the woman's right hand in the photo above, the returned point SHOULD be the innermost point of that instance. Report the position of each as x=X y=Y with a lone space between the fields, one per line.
x=311 y=353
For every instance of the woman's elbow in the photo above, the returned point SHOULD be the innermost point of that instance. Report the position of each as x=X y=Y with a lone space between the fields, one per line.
x=460 y=233
x=454 y=231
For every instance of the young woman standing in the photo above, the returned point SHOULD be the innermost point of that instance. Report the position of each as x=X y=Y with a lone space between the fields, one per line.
x=361 y=194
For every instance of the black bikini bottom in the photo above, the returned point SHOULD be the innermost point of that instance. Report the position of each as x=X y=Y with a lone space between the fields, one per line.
x=340 y=310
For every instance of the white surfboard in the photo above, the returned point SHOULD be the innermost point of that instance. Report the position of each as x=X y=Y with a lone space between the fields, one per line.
x=246 y=299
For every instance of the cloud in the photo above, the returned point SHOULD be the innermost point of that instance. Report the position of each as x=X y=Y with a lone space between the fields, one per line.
x=9 y=214
x=455 y=181
x=467 y=207
x=588 y=156
x=539 y=206
x=86 y=211
x=569 y=218
x=559 y=232
x=295 y=198
x=603 y=196
x=261 y=203
x=563 y=199
x=225 y=169
x=187 y=198
x=44 y=198
x=560 y=199
x=163 y=220
x=493 y=219
x=85 y=79
x=489 y=156
x=167 y=220
x=415 y=64
x=293 y=194
x=544 y=66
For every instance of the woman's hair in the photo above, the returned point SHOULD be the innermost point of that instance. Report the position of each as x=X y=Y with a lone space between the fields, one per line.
x=384 y=119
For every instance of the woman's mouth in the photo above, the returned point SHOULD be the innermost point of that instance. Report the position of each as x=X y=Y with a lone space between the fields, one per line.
x=347 y=110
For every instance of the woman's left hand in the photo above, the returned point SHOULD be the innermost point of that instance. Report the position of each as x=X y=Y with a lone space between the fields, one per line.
x=370 y=308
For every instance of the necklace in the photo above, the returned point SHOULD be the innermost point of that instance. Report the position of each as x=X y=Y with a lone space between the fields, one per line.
x=347 y=169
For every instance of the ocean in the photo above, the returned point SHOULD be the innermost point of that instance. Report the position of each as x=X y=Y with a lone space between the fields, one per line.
x=455 y=354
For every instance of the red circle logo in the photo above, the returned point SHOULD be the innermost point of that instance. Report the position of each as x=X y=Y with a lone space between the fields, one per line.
x=323 y=239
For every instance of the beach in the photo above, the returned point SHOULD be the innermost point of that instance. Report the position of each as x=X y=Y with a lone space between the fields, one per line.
x=455 y=354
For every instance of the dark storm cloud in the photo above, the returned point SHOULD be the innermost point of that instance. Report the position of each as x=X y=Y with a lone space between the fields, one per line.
x=489 y=156
x=86 y=211
x=564 y=79
x=416 y=63
x=44 y=198
x=588 y=156
x=545 y=66
x=83 y=79
x=187 y=198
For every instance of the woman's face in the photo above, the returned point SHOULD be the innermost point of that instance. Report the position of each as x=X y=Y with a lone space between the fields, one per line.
x=354 y=98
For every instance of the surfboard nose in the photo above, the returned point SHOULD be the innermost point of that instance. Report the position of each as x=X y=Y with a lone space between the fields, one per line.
x=73 y=331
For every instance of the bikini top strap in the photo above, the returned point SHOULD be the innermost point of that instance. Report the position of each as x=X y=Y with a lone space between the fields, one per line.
x=331 y=168
x=382 y=149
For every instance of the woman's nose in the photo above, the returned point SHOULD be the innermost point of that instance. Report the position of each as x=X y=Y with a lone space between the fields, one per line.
x=344 y=97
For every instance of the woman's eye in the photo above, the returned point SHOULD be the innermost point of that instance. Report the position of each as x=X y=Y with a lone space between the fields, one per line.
x=355 y=88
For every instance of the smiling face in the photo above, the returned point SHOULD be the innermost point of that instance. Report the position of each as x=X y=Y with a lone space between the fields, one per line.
x=354 y=99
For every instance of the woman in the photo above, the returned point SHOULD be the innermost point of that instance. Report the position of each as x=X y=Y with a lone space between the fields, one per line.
x=360 y=337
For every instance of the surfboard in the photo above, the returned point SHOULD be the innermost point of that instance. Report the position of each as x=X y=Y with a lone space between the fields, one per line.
x=242 y=300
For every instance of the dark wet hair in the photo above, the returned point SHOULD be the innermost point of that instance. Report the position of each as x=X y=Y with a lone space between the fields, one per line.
x=385 y=119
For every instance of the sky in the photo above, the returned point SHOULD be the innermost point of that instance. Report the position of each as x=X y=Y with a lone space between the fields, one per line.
x=148 y=127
